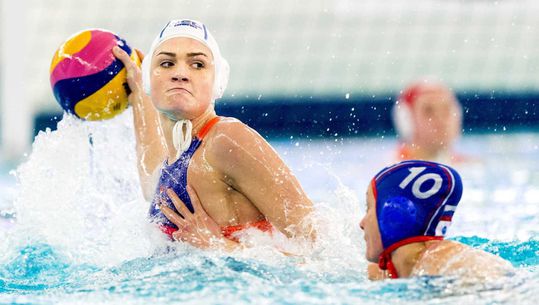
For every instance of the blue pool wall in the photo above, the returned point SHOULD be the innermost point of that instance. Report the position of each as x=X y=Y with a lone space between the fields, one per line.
x=359 y=115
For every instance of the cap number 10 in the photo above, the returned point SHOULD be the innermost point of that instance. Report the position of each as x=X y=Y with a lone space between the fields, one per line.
x=416 y=186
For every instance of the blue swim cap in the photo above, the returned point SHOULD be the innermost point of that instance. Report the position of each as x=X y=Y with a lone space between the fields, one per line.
x=415 y=198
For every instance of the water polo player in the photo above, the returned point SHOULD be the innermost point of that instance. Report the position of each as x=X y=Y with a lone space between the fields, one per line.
x=410 y=205
x=428 y=120
x=237 y=180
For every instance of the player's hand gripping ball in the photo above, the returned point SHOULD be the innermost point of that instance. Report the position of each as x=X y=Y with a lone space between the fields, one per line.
x=86 y=78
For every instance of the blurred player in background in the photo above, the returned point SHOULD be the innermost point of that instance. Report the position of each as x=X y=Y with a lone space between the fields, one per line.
x=428 y=120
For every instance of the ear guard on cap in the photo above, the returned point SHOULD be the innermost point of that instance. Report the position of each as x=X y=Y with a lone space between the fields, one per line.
x=221 y=79
x=145 y=67
x=399 y=219
x=403 y=121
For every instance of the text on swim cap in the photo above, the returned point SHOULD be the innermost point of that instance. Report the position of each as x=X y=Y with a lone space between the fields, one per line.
x=416 y=186
x=189 y=23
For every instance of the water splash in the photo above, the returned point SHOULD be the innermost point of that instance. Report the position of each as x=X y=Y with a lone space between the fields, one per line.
x=78 y=192
x=82 y=236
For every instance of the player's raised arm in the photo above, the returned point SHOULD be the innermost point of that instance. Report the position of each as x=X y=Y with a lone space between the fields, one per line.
x=149 y=136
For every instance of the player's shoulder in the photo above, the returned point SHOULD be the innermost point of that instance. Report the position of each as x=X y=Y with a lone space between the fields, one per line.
x=230 y=138
x=231 y=132
x=229 y=125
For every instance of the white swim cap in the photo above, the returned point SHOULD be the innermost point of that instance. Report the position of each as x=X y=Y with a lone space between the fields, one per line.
x=196 y=30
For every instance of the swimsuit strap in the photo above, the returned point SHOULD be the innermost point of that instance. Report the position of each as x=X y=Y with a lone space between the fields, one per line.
x=206 y=128
x=385 y=262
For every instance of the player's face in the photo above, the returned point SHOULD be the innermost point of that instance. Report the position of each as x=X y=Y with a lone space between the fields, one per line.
x=371 y=232
x=437 y=118
x=182 y=76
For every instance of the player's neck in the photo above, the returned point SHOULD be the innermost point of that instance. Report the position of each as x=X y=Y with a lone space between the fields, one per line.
x=167 y=125
x=423 y=152
x=202 y=120
x=406 y=257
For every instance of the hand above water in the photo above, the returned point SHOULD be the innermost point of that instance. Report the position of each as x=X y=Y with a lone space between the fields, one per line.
x=151 y=147
x=197 y=229
x=134 y=74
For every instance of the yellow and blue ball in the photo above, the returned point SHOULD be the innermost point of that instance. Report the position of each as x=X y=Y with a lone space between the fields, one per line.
x=87 y=79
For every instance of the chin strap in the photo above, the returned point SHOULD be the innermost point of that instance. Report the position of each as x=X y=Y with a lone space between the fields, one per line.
x=384 y=261
x=181 y=137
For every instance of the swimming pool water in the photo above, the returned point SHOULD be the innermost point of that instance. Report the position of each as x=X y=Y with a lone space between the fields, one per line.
x=40 y=275
x=81 y=236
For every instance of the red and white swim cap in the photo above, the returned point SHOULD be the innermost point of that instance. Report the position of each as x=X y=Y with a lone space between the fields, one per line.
x=402 y=111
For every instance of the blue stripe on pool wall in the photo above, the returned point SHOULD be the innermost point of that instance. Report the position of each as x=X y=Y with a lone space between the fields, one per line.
x=335 y=116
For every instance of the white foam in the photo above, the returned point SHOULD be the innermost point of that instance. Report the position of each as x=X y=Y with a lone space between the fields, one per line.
x=84 y=200
x=79 y=192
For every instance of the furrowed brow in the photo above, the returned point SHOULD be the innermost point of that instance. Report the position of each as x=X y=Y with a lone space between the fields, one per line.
x=167 y=54
x=196 y=54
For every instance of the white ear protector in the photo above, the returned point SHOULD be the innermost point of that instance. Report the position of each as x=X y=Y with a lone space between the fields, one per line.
x=403 y=121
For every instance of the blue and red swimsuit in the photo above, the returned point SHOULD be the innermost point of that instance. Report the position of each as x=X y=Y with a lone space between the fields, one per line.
x=174 y=176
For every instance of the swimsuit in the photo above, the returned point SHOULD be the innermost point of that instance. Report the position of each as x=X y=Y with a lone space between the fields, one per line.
x=174 y=176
